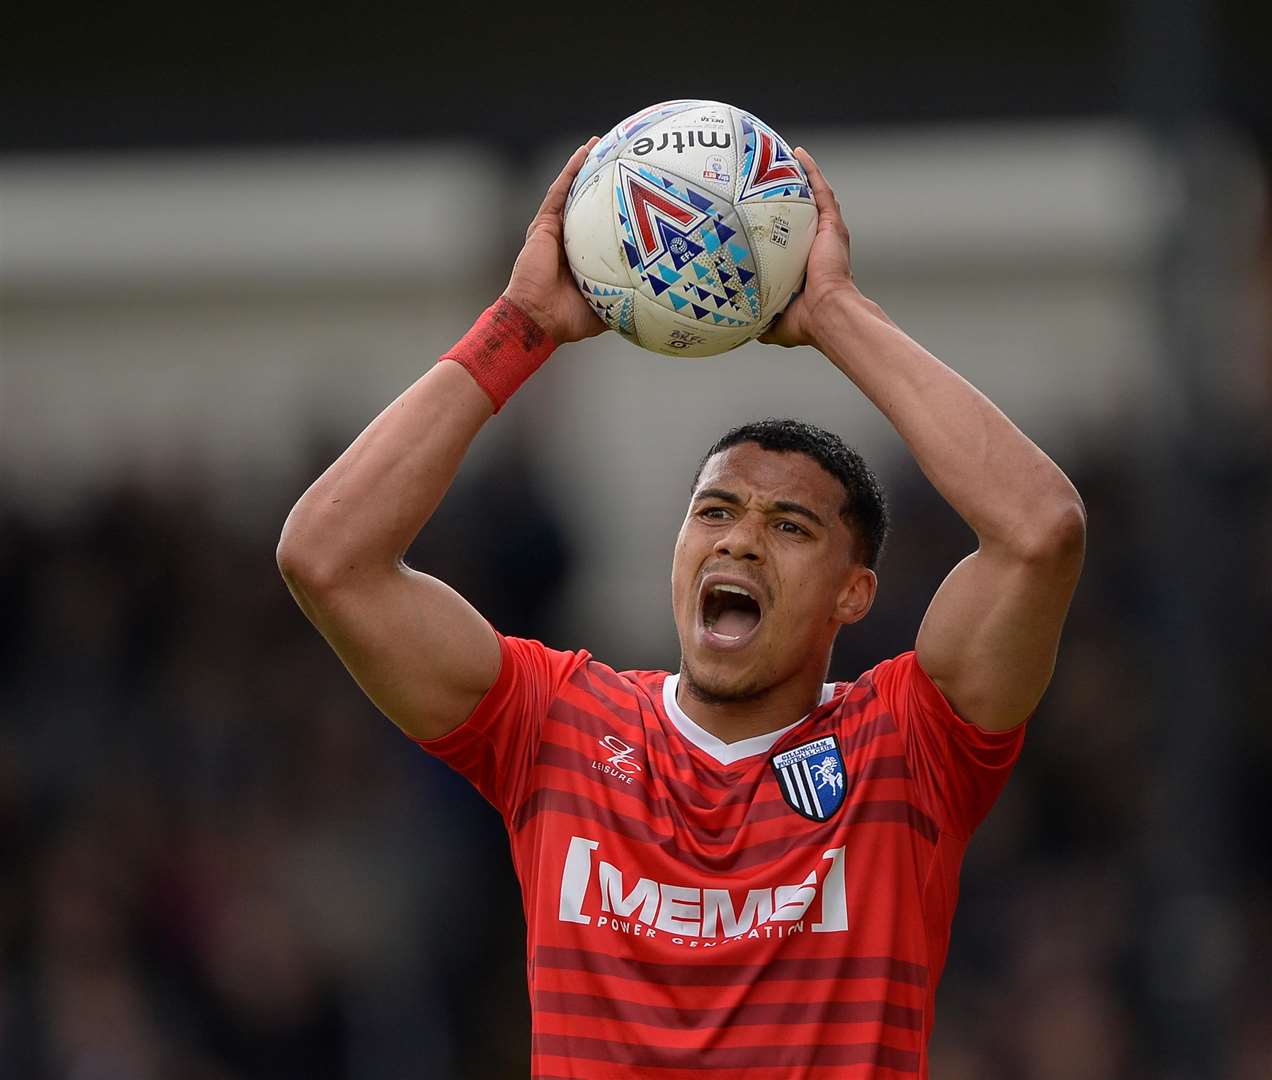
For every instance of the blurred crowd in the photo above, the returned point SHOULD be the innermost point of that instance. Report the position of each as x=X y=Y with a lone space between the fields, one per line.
x=221 y=863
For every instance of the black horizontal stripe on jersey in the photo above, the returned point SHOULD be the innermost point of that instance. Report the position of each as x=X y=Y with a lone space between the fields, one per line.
x=583 y=711
x=611 y=685
x=893 y=811
x=812 y=969
x=852 y=741
x=647 y=1056
x=818 y=1011
x=884 y=767
x=547 y=799
x=757 y=812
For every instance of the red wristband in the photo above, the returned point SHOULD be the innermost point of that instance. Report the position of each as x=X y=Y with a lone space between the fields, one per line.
x=502 y=350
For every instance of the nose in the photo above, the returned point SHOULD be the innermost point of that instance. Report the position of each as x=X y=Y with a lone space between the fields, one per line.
x=743 y=540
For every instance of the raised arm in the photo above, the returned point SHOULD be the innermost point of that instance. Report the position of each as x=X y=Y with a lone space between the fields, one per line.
x=990 y=636
x=414 y=645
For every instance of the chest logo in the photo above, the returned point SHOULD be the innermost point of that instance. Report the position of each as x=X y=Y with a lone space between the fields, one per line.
x=811 y=778
x=620 y=761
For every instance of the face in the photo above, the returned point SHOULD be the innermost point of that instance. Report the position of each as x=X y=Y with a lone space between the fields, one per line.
x=764 y=573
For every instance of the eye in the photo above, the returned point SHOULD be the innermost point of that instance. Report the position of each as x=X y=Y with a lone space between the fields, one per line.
x=791 y=529
x=713 y=513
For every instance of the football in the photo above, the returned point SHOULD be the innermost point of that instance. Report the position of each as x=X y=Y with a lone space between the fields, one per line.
x=688 y=227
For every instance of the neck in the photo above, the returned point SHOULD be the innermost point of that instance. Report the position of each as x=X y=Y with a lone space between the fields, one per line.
x=732 y=719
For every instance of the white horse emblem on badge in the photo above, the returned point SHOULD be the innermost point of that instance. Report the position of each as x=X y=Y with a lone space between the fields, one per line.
x=828 y=774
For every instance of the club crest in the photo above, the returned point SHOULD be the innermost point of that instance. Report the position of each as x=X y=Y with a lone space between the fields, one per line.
x=812 y=778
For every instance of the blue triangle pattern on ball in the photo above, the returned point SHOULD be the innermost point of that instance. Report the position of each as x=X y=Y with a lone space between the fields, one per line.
x=700 y=201
x=633 y=260
x=626 y=316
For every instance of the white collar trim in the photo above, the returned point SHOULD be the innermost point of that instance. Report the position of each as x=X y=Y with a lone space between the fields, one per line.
x=723 y=752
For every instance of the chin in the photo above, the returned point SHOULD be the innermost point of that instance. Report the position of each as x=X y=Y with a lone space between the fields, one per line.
x=720 y=686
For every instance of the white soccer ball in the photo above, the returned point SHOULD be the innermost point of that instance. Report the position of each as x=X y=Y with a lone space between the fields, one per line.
x=688 y=227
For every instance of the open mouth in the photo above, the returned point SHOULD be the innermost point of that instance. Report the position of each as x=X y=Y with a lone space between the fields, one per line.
x=730 y=612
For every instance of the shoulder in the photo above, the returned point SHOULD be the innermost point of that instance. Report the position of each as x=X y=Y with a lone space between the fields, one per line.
x=529 y=654
x=577 y=672
x=888 y=678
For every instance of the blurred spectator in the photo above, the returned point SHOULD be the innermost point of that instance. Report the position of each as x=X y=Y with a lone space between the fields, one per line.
x=220 y=862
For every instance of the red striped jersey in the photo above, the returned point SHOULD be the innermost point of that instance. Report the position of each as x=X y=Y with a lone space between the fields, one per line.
x=777 y=907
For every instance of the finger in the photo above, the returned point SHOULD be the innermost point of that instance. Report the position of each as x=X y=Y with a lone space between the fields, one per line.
x=823 y=194
x=554 y=200
x=772 y=337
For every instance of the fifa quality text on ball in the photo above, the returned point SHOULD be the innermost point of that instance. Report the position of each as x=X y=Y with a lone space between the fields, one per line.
x=688 y=227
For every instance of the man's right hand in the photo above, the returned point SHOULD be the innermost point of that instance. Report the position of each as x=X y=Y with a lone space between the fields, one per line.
x=541 y=283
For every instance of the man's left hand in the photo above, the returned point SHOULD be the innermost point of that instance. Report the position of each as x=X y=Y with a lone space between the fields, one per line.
x=829 y=265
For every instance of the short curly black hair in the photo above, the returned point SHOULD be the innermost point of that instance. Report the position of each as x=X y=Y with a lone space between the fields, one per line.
x=865 y=509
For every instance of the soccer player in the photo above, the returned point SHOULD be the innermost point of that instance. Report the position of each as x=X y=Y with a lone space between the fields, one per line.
x=737 y=868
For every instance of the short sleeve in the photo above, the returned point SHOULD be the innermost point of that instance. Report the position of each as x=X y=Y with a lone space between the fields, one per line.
x=496 y=746
x=958 y=768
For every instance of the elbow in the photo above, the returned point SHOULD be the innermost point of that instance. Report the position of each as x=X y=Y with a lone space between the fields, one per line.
x=319 y=558
x=303 y=563
x=290 y=559
x=293 y=559
x=1056 y=533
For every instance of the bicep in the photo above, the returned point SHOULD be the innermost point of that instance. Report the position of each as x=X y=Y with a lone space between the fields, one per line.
x=991 y=634
x=417 y=648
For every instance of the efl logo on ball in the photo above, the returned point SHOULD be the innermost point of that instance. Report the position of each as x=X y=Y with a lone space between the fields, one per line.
x=688 y=227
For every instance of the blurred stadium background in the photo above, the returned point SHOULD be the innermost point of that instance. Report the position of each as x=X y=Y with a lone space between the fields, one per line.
x=228 y=238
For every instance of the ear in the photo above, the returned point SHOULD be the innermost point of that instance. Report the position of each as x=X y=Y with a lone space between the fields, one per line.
x=856 y=595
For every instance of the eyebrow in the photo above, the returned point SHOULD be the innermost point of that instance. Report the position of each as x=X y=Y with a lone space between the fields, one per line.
x=784 y=505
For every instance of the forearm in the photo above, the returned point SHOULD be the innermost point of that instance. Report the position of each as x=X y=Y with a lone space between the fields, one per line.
x=364 y=511
x=997 y=480
x=360 y=516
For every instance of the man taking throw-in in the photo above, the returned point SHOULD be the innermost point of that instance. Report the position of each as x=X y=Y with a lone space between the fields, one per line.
x=738 y=869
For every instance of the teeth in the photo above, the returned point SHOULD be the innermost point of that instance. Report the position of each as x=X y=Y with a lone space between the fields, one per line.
x=733 y=589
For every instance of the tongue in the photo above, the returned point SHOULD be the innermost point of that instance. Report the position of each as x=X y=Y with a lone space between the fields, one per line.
x=734 y=622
